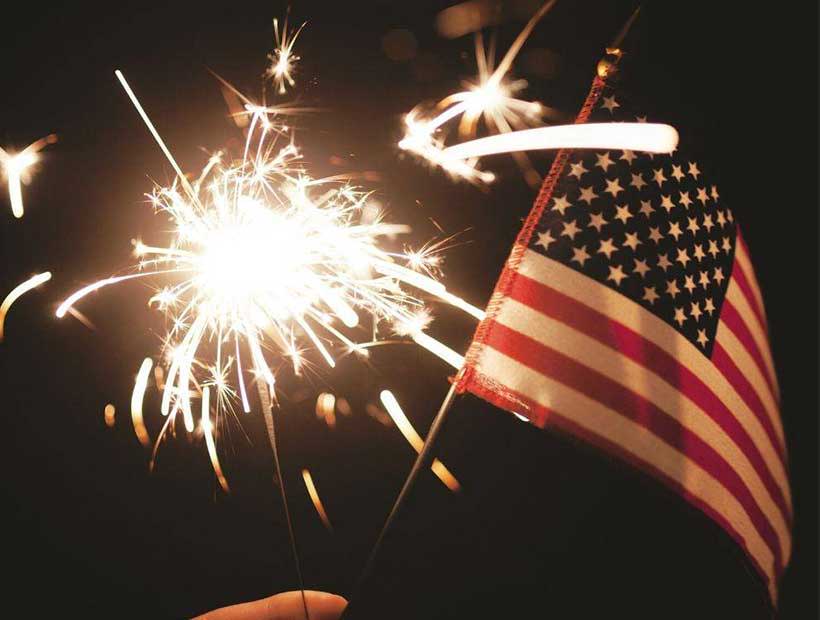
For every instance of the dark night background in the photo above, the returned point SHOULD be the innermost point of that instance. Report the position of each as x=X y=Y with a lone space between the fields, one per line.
x=544 y=525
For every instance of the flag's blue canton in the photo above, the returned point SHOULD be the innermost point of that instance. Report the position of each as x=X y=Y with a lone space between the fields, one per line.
x=650 y=227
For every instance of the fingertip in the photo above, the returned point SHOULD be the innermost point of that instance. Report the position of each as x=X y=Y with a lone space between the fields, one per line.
x=328 y=606
x=283 y=606
x=321 y=605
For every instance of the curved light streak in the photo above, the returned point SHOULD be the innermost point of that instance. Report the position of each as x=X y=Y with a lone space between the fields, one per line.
x=16 y=292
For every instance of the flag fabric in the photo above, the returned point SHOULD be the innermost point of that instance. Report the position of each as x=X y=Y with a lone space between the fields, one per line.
x=628 y=314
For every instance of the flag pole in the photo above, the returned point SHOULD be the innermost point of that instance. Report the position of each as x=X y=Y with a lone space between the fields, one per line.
x=608 y=65
x=423 y=461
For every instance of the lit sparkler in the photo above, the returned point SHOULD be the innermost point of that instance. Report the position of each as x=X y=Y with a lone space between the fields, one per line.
x=493 y=97
x=283 y=60
x=264 y=261
x=18 y=168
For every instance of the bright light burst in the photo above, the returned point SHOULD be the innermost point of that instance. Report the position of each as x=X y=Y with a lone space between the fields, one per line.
x=493 y=97
x=264 y=265
x=283 y=60
x=18 y=168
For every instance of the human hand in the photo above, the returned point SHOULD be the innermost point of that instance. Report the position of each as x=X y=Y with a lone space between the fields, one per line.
x=283 y=606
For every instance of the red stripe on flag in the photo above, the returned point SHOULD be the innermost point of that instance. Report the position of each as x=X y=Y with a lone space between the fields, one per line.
x=724 y=363
x=593 y=384
x=552 y=303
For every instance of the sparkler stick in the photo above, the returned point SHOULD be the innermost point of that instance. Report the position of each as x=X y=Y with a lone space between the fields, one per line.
x=267 y=411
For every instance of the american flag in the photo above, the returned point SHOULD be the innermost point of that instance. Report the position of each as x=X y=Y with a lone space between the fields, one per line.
x=629 y=315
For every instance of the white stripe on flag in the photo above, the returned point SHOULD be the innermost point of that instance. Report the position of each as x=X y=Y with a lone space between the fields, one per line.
x=650 y=386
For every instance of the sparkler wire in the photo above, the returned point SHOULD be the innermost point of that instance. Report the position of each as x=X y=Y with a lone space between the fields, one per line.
x=267 y=411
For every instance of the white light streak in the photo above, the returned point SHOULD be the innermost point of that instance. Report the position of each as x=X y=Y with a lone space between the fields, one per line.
x=647 y=137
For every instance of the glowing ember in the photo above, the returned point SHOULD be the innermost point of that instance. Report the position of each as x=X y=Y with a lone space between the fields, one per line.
x=109 y=415
x=314 y=497
x=283 y=59
x=18 y=168
x=326 y=408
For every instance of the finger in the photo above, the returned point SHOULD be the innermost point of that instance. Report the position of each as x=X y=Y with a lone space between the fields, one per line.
x=284 y=606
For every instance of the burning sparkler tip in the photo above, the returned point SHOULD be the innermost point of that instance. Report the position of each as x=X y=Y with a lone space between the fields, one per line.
x=270 y=258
